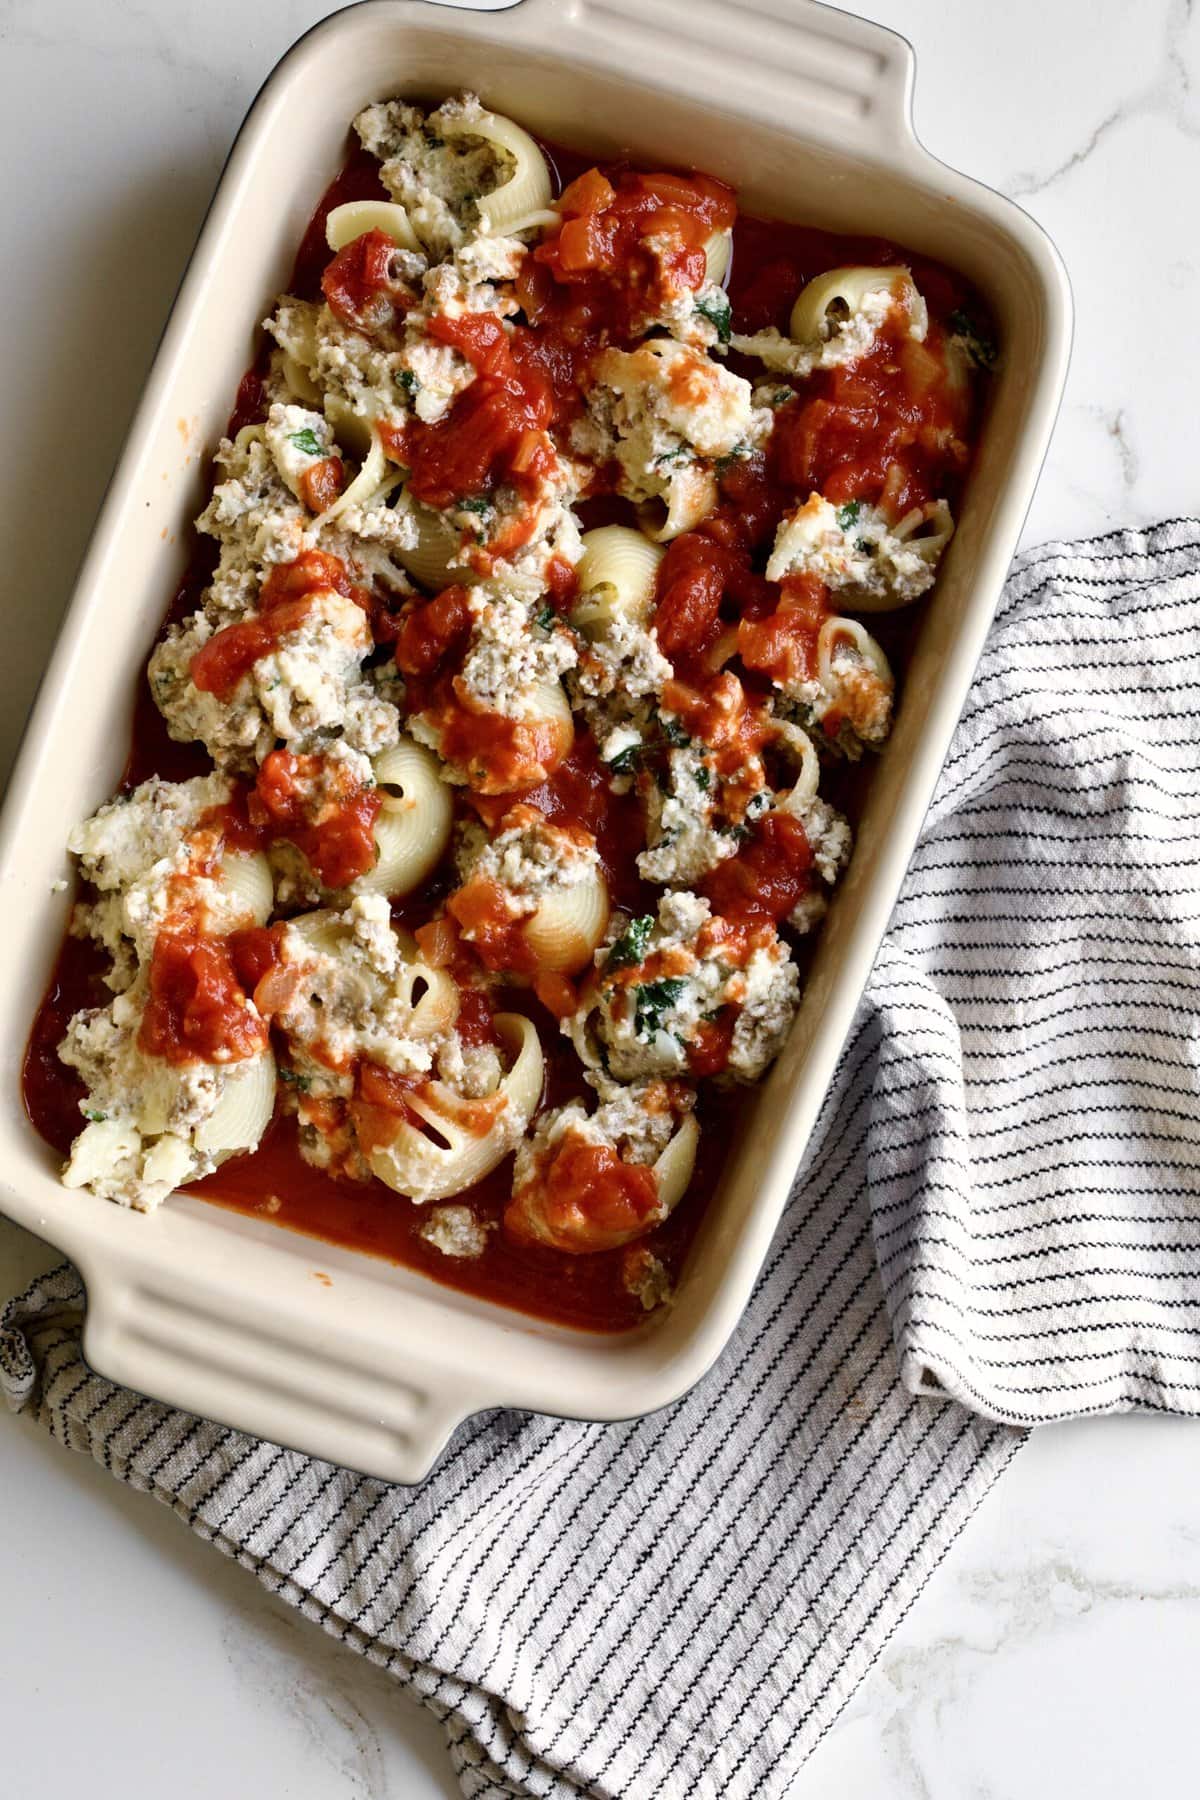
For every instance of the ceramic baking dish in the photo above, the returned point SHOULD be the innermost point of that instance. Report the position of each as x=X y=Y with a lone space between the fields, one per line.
x=806 y=111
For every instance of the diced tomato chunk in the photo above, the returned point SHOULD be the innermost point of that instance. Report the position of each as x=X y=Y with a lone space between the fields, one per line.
x=358 y=284
x=255 y=951
x=321 y=484
x=322 y=808
x=198 y=1010
x=430 y=629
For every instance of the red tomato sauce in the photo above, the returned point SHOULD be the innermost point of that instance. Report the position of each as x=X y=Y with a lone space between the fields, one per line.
x=880 y=431
x=495 y=432
x=337 y=833
x=629 y=240
x=768 y=876
x=594 y=283
x=588 y=1183
x=497 y=938
x=198 y=1010
x=360 y=288
x=284 y=605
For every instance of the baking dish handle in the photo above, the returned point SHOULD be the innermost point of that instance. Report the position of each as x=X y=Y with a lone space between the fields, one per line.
x=851 y=78
x=273 y=1378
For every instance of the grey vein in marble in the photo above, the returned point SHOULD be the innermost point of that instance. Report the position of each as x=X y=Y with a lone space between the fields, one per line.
x=1169 y=93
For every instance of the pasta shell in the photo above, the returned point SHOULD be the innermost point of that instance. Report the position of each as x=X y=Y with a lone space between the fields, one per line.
x=413 y=826
x=617 y=573
x=569 y=924
x=523 y=199
x=320 y=932
x=718 y=253
x=431 y=995
x=804 y=789
x=371 y=476
x=345 y=223
x=552 y=706
x=99 y=1147
x=352 y=432
x=299 y=381
x=692 y=495
x=674 y=1167
x=453 y=1154
x=837 y=631
x=247 y=878
x=438 y=544
x=169 y=1161
x=244 y=1110
x=841 y=292
x=935 y=524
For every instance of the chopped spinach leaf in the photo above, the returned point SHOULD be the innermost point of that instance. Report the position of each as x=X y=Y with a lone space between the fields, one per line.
x=681 y=452
x=630 y=948
x=651 y=1001
x=848 y=515
x=407 y=380
x=703 y=777
x=308 y=441
x=781 y=396
x=475 y=503
x=97 y=1117
x=717 y=310
x=546 y=618
x=674 y=733
x=625 y=761
x=303 y=1082
x=979 y=346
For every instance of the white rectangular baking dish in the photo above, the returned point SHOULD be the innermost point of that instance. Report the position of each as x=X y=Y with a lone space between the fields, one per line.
x=806 y=111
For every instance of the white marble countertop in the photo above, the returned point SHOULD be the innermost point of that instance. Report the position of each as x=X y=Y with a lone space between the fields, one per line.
x=1046 y=1654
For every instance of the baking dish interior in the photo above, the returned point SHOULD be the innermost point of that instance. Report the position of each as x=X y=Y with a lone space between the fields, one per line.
x=225 y=1267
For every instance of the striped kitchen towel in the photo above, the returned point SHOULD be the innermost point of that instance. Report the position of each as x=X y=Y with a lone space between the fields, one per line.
x=996 y=1225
